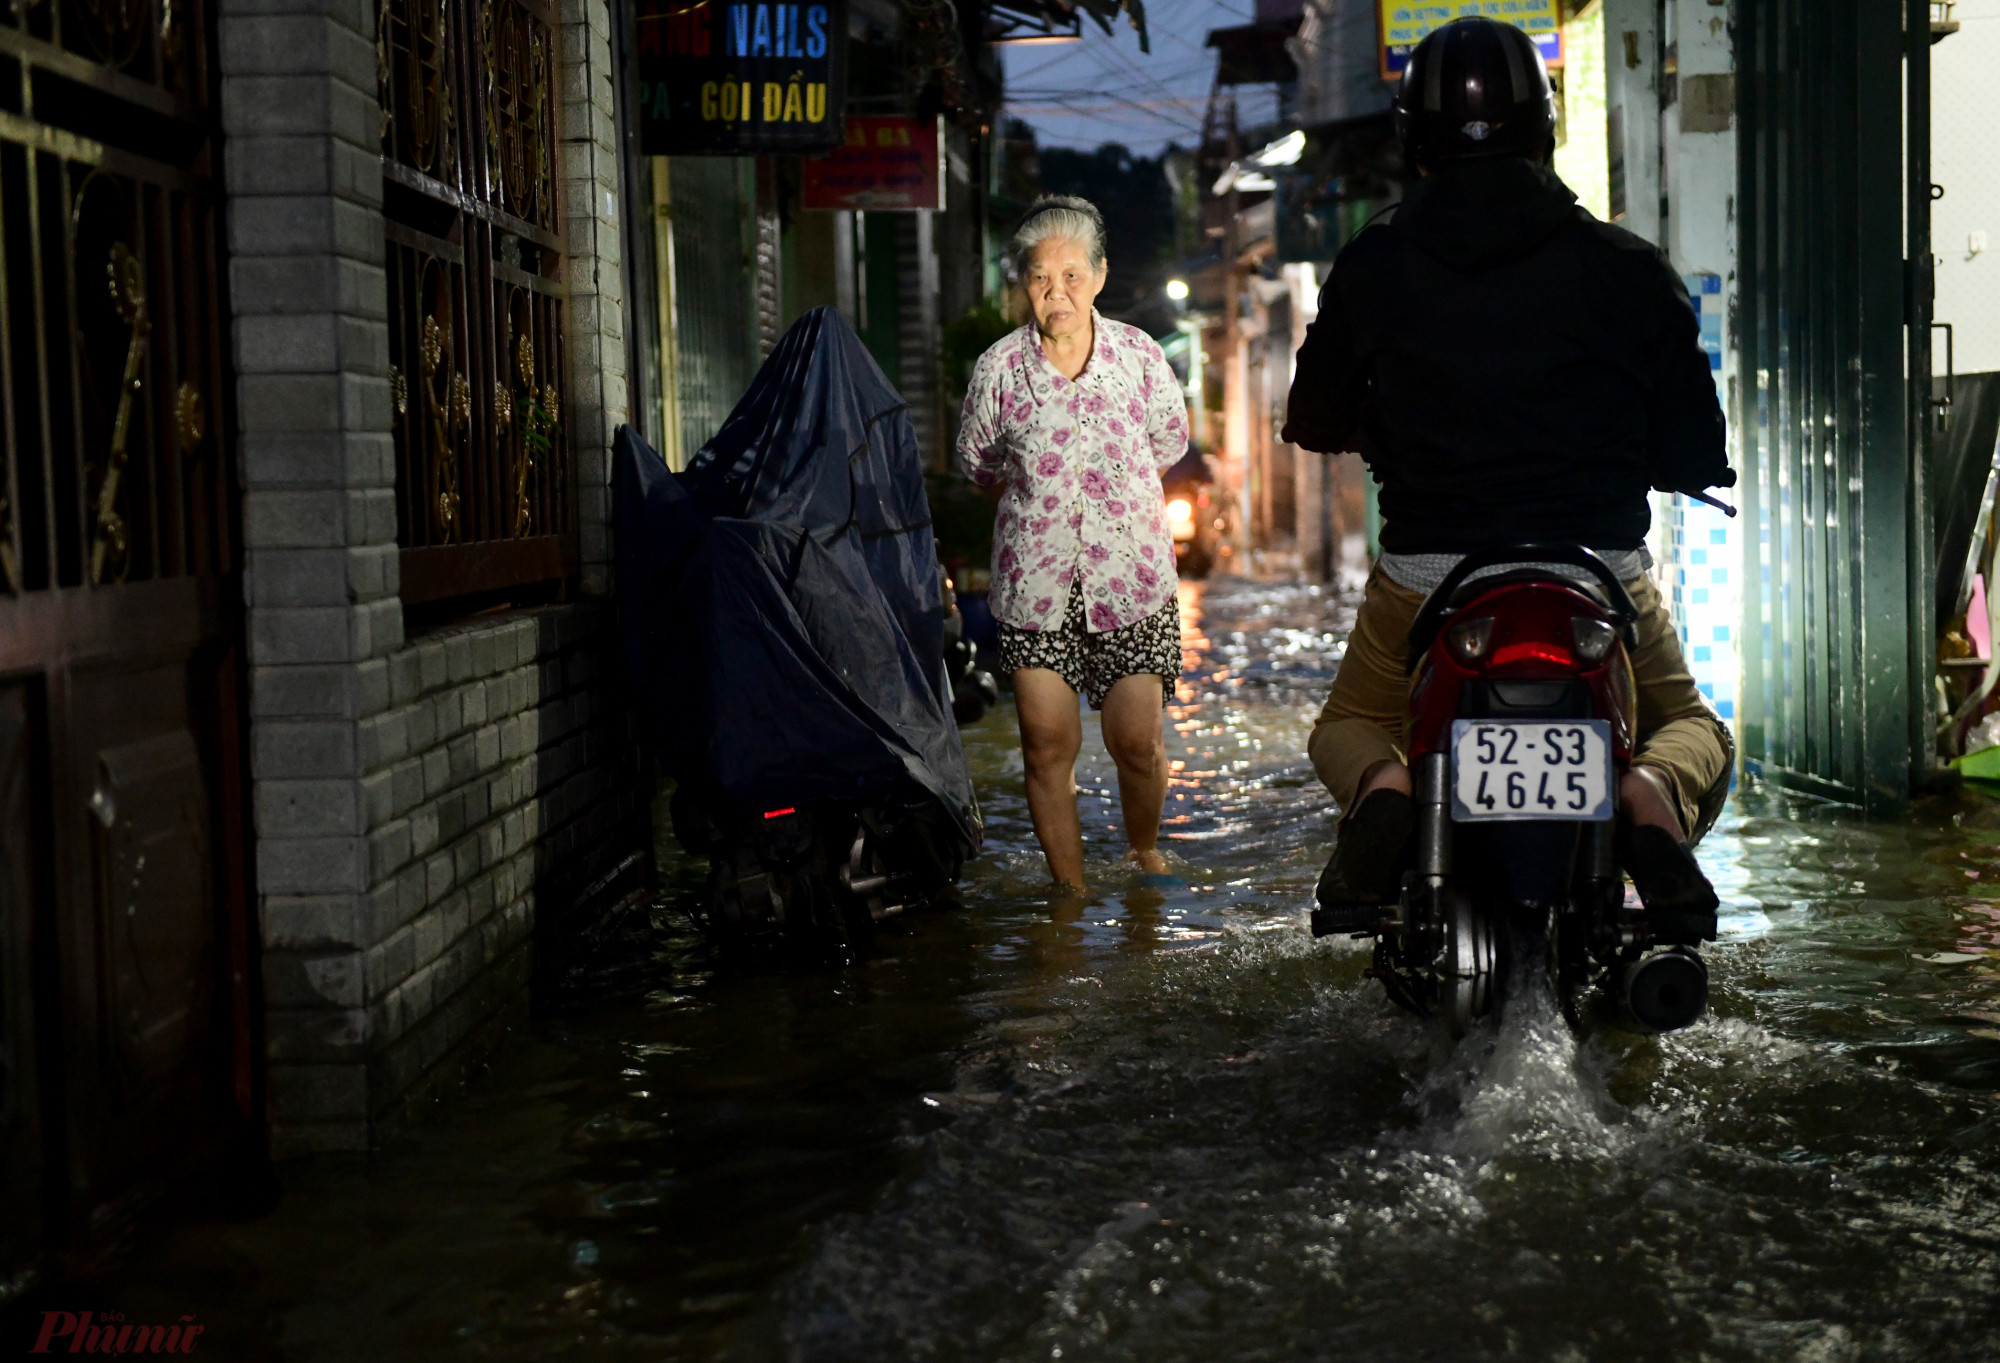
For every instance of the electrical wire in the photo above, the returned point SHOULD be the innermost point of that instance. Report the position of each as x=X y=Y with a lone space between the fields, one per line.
x=1108 y=59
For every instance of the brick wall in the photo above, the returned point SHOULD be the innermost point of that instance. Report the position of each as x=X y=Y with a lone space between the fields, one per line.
x=596 y=273
x=497 y=787
x=418 y=803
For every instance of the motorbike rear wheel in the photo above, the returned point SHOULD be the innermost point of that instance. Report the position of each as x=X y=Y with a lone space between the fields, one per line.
x=1494 y=956
x=1469 y=968
x=1532 y=956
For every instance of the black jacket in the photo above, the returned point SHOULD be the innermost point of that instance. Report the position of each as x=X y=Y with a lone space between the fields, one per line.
x=1511 y=368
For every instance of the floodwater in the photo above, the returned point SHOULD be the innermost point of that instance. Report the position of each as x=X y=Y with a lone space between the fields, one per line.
x=1174 y=1127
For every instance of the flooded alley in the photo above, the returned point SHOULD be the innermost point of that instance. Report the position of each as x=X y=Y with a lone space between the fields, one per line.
x=1173 y=1127
x=508 y=510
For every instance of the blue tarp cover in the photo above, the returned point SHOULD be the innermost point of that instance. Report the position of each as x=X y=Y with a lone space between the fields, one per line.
x=782 y=610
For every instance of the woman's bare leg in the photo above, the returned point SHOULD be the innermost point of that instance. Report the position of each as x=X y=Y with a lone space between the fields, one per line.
x=1133 y=735
x=1051 y=735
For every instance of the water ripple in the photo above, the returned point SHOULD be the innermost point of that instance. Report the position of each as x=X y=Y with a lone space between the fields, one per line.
x=1168 y=1125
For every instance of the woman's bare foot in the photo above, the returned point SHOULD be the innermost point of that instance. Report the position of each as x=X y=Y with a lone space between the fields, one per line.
x=1151 y=861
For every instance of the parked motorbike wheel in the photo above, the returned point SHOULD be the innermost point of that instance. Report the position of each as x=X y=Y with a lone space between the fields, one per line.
x=974 y=690
x=812 y=885
x=838 y=926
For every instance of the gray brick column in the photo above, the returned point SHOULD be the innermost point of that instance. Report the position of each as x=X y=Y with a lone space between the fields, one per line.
x=591 y=208
x=304 y=181
x=417 y=804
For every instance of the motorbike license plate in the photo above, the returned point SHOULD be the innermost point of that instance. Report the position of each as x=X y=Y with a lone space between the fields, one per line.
x=1530 y=769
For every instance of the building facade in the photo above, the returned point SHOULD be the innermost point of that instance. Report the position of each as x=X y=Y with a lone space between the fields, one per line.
x=314 y=346
x=315 y=750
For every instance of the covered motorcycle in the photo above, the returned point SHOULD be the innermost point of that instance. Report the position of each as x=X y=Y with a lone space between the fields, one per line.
x=784 y=620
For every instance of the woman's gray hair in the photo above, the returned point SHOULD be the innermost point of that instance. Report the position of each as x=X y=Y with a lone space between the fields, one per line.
x=1058 y=217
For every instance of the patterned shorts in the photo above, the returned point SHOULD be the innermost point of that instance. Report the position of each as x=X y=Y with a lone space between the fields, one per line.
x=1094 y=663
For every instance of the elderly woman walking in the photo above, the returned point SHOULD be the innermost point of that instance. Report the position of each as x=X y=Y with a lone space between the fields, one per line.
x=1072 y=418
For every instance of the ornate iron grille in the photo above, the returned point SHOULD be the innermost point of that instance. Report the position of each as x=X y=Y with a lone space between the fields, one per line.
x=475 y=267
x=111 y=365
x=124 y=936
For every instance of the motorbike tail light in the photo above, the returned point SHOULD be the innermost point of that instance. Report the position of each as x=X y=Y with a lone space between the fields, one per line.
x=1534 y=651
x=1593 y=637
x=1468 y=639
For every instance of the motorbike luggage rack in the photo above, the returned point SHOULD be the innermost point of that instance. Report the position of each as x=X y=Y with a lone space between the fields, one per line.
x=1438 y=608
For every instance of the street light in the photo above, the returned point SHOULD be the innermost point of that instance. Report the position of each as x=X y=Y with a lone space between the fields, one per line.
x=1192 y=328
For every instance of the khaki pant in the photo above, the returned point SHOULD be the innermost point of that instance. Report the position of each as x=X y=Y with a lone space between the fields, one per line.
x=1363 y=720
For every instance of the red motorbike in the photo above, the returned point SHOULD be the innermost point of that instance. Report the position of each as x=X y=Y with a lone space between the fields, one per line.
x=1521 y=720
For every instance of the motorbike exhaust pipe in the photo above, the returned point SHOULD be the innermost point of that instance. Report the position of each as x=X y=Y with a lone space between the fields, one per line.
x=1664 y=990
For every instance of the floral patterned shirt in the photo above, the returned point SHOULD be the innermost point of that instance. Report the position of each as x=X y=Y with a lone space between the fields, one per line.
x=1082 y=463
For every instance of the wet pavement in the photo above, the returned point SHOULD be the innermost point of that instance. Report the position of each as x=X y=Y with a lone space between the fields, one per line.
x=1172 y=1126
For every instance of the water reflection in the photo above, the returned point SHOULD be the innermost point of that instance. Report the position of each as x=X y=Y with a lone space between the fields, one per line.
x=1168 y=1125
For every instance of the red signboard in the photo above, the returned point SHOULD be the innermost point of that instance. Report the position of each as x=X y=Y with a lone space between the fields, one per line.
x=885 y=163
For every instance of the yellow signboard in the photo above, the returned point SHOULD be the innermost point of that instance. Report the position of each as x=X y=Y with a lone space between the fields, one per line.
x=1405 y=23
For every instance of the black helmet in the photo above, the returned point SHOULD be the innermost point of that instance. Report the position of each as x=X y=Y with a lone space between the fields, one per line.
x=1475 y=87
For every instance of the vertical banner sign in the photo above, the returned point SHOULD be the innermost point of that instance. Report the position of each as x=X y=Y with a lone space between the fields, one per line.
x=720 y=78
x=1405 y=23
x=884 y=163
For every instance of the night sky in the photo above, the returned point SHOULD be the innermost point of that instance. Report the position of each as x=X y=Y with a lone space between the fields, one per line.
x=1103 y=89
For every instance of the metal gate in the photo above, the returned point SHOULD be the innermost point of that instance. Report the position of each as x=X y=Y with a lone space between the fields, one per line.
x=125 y=1037
x=714 y=323
x=477 y=375
x=1838 y=637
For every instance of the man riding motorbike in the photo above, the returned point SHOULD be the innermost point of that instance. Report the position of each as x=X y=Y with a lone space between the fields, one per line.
x=1513 y=371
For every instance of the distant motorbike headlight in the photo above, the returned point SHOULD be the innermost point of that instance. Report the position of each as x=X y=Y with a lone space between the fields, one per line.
x=1468 y=639
x=1180 y=510
x=1593 y=637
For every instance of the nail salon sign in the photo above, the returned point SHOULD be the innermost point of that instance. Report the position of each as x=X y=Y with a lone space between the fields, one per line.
x=729 y=79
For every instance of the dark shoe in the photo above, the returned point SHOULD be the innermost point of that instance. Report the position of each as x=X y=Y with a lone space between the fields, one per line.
x=1366 y=869
x=1680 y=903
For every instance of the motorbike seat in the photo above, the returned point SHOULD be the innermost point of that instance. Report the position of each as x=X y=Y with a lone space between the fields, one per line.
x=1516 y=562
x=1475 y=587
